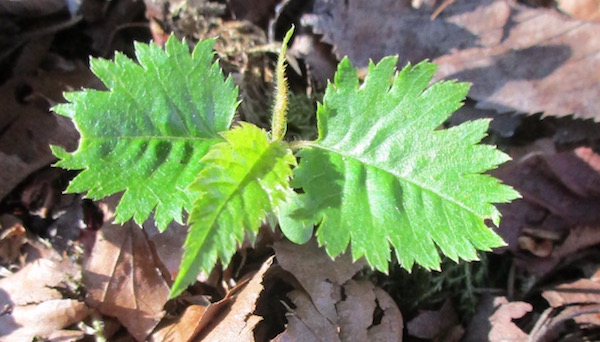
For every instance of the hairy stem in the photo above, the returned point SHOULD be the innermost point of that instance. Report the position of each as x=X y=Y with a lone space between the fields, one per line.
x=279 y=116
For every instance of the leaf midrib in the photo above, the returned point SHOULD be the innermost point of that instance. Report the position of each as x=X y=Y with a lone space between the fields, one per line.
x=401 y=178
x=237 y=188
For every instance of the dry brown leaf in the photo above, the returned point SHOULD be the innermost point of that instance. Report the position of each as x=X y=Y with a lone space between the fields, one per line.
x=41 y=320
x=438 y=325
x=581 y=9
x=318 y=274
x=356 y=314
x=168 y=244
x=32 y=305
x=202 y=317
x=558 y=212
x=582 y=291
x=306 y=323
x=578 y=301
x=493 y=321
x=392 y=324
x=37 y=281
x=518 y=58
x=238 y=323
x=12 y=237
x=331 y=306
x=123 y=279
x=27 y=125
x=183 y=329
x=356 y=311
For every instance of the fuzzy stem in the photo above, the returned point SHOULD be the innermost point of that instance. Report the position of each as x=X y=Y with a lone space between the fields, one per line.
x=300 y=144
x=279 y=115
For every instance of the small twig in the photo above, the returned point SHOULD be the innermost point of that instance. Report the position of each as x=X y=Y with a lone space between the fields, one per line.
x=440 y=8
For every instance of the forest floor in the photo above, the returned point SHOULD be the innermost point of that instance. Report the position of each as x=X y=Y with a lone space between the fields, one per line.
x=68 y=273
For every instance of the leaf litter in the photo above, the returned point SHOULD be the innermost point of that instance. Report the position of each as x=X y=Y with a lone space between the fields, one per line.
x=520 y=59
x=123 y=278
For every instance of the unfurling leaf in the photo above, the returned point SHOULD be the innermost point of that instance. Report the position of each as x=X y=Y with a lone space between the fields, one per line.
x=245 y=178
x=382 y=174
x=147 y=134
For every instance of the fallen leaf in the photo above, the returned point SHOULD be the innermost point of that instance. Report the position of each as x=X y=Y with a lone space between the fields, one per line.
x=583 y=291
x=33 y=306
x=356 y=314
x=392 y=324
x=27 y=124
x=558 y=213
x=437 y=325
x=168 y=244
x=580 y=9
x=25 y=323
x=122 y=277
x=306 y=323
x=553 y=324
x=202 y=317
x=579 y=294
x=318 y=274
x=36 y=282
x=578 y=301
x=518 y=58
x=182 y=329
x=238 y=323
x=330 y=306
x=12 y=238
x=356 y=311
x=493 y=320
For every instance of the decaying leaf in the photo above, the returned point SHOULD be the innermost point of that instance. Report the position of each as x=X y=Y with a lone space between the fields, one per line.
x=37 y=281
x=518 y=58
x=578 y=302
x=12 y=237
x=238 y=323
x=331 y=306
x=493 y=320
x=317 y=273
x=26 y=322
x=33 y=306
x=168 y=244
x=558 y=213
x=581 y=9
x=582 y=291
x=306 y=322
x=437 y=325
x=27 y=131
x=123 y=279
x=183 y=329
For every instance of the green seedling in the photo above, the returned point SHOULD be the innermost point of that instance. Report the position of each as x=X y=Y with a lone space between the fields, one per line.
x=381 y=175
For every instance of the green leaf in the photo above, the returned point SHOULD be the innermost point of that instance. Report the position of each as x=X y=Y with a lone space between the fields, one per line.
x=245 y=179
x=381 y=172
x=147 y=134
x=296 y=228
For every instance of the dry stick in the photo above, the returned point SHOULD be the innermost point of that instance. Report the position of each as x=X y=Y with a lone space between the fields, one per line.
x=442 y=7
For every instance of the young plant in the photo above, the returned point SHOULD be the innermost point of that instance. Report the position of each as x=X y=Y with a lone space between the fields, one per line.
x=381 y=173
